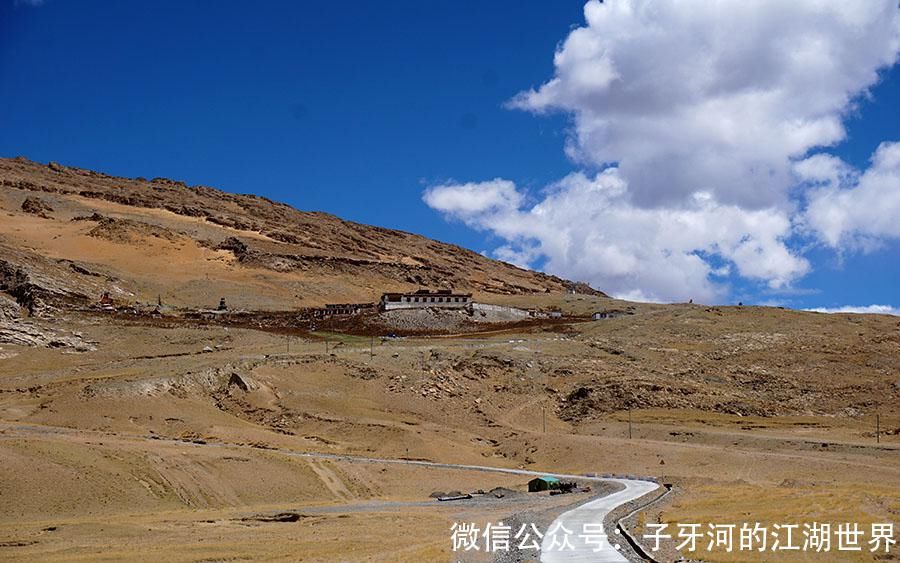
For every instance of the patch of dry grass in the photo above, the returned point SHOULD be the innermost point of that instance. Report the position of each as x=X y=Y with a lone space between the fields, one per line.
x=791 y=503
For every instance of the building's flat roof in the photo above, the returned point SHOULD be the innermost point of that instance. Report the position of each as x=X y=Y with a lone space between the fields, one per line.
x=426 y=293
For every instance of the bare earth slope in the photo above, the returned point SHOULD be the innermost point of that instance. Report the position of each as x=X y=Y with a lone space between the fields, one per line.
x=192 y=245
x=177 y=436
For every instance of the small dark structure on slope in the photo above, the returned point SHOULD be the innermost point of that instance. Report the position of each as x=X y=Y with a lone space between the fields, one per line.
x=106 y=302
x=607 y=315
x=343 y=309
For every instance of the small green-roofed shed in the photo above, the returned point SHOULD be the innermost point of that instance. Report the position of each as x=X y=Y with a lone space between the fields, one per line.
x=545 y=483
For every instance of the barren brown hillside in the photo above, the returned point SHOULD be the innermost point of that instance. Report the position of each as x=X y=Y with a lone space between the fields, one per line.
x=179 y=435
x=190 y=245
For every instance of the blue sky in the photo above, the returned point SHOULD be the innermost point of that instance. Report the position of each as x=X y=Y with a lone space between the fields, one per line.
x=355 y=109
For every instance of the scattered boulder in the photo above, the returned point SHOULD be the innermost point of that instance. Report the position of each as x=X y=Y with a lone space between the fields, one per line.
x=579 y=394
x=796 y=484
x=282 y=236
x=236 y=381
x=501 y=492
x=9 y=309
x=277 y=517
x=364 y=372
x=96 y=217
x=127 y=230
x=23 y=333
x=186 y=210
x=233 y=244
x=37 y=206
x=36 y=288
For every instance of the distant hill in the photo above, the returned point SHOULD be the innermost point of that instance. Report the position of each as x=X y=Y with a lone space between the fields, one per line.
x=71 y=234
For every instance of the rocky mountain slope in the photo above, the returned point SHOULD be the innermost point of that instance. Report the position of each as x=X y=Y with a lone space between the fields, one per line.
x=69 y=234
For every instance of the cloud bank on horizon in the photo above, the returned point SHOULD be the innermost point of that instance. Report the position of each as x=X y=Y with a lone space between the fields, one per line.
x=859 y=309
x=701 y=138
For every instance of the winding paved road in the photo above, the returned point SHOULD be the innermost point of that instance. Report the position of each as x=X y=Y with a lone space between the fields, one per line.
x=589 y=543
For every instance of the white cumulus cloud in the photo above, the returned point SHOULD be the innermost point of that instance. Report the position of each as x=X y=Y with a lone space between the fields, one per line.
x=703 y=120
x=715 y=96
x=852 y=210
x=587 y=229
x=466 y=201
x=871 y=309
